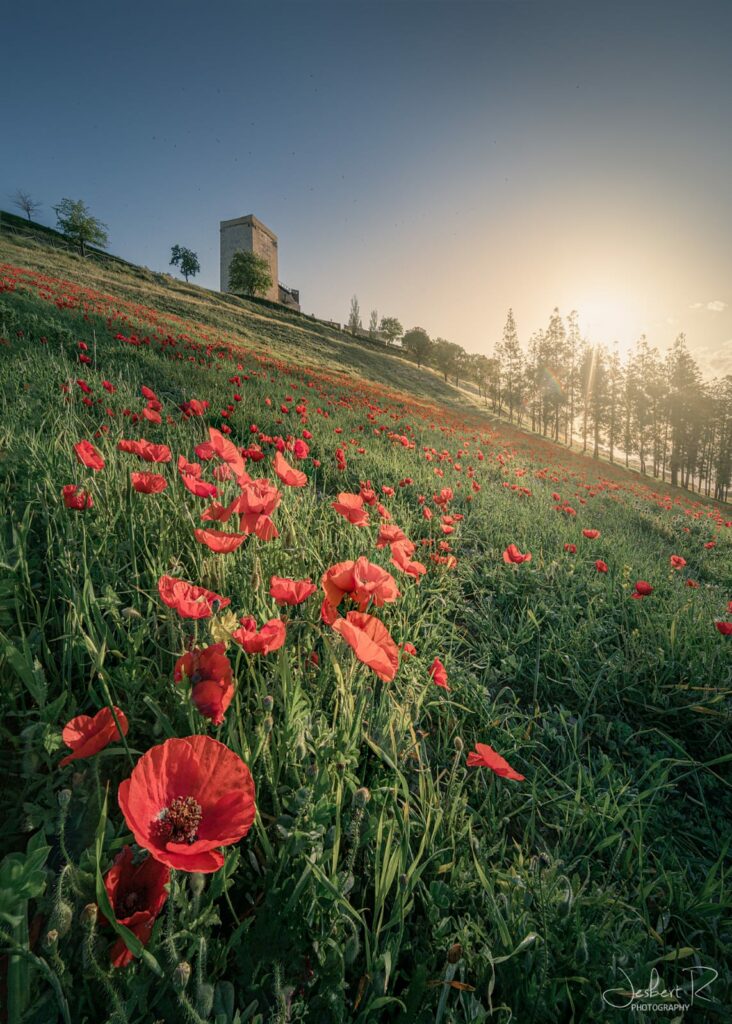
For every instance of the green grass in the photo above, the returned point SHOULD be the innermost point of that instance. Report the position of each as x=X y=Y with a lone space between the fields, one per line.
x=611 y=856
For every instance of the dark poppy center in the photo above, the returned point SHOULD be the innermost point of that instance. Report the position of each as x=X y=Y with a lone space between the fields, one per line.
x=130 y=902
x=178 y=823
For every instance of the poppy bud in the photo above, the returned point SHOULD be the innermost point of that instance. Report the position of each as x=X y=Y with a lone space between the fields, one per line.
x=61 y=918
x=361 y=797
x=89 y=915
x=197 y=882
x=403 y=881
x=268 y=703
x=459 y=745
x=268 y=724
x=454 y=953
x=51 y=938
x=64 y=798
x=181 y=975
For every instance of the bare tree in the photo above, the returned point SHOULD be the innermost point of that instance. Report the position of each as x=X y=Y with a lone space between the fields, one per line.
x=26 y=203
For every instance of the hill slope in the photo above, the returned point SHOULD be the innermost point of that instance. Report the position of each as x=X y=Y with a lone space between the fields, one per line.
x=378 y=844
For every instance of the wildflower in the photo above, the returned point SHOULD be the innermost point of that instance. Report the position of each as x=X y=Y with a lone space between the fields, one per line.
x=260 y=641
x=371 y=643
x=189 y=600
x=88 y=456
x=486 y=757
x=512 y=556
x=86 y=735
x=287 y=591
x=136 y=894
x=187 y=797
x=438 y=673
x=209 y=672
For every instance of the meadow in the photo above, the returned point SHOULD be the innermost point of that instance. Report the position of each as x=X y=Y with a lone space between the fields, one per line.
x=392 y=712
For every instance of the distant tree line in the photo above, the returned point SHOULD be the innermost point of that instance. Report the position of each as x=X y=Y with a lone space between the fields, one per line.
x=649 y=407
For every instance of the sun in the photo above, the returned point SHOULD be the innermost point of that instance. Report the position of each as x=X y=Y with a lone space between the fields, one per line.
x=606 y=319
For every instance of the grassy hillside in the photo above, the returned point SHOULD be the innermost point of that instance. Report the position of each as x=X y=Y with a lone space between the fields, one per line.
x=384 y=876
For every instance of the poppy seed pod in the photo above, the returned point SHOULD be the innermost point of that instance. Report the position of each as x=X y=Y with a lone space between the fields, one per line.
x=361 y=797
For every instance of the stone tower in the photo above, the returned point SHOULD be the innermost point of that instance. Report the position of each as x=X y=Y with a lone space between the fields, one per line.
x=252 y=235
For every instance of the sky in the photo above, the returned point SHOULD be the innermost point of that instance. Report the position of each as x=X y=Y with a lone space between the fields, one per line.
x=442 y=160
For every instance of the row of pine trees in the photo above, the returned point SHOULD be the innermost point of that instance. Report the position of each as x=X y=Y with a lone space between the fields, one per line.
x=649 y=410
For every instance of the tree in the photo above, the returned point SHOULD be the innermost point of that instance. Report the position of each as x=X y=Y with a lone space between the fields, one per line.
x=249 y=274
x=75 y=221
x=186 y=260
x=417 y=341
x=444 y=356
x=391 y=327
x=373 y=323
x=25 y=203
x=354 y=317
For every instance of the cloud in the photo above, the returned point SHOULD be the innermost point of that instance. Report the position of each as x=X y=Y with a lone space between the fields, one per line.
x=715 y=306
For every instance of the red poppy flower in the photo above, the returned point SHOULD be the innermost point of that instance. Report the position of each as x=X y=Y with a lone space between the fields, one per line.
x=287 y=591
x=289 y=476
x=146 y=450
x=212 y=685
x=263 y=641
x=591 y=534
x=76 y=497
x=87 y=735
x=201 y=488
x=137 y=894
x=407 y=649
x=189 y=600
x=187 y=797
x=642 y=589
x=191 y=468
x=600 y=565
x=371 y=643
x=88 y=456
x=438 y=672
x=219 y=541
x=361 y=580
x=486 y=757
x=256 y=503
x=710 y=545
x=350 y=506
x=571 y=548
x=401 y=553
x=390 y=534
x=512 y=556
x=692 y=583
x=148 y=483
x=725 y=628
x=227 y=450
x=677 y=562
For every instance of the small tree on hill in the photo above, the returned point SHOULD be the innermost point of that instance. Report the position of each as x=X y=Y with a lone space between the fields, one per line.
x=417 y=341
x=249 y=274
x=75 y=221
x=391 y=327
x=373 y=323
x=354 y=317
x=186 y=260
x=24 y=202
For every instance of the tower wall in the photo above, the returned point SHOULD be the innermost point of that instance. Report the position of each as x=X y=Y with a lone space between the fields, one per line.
x=249 y=234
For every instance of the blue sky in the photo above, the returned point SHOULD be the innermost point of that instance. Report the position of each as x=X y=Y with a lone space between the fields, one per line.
x=442 y=160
